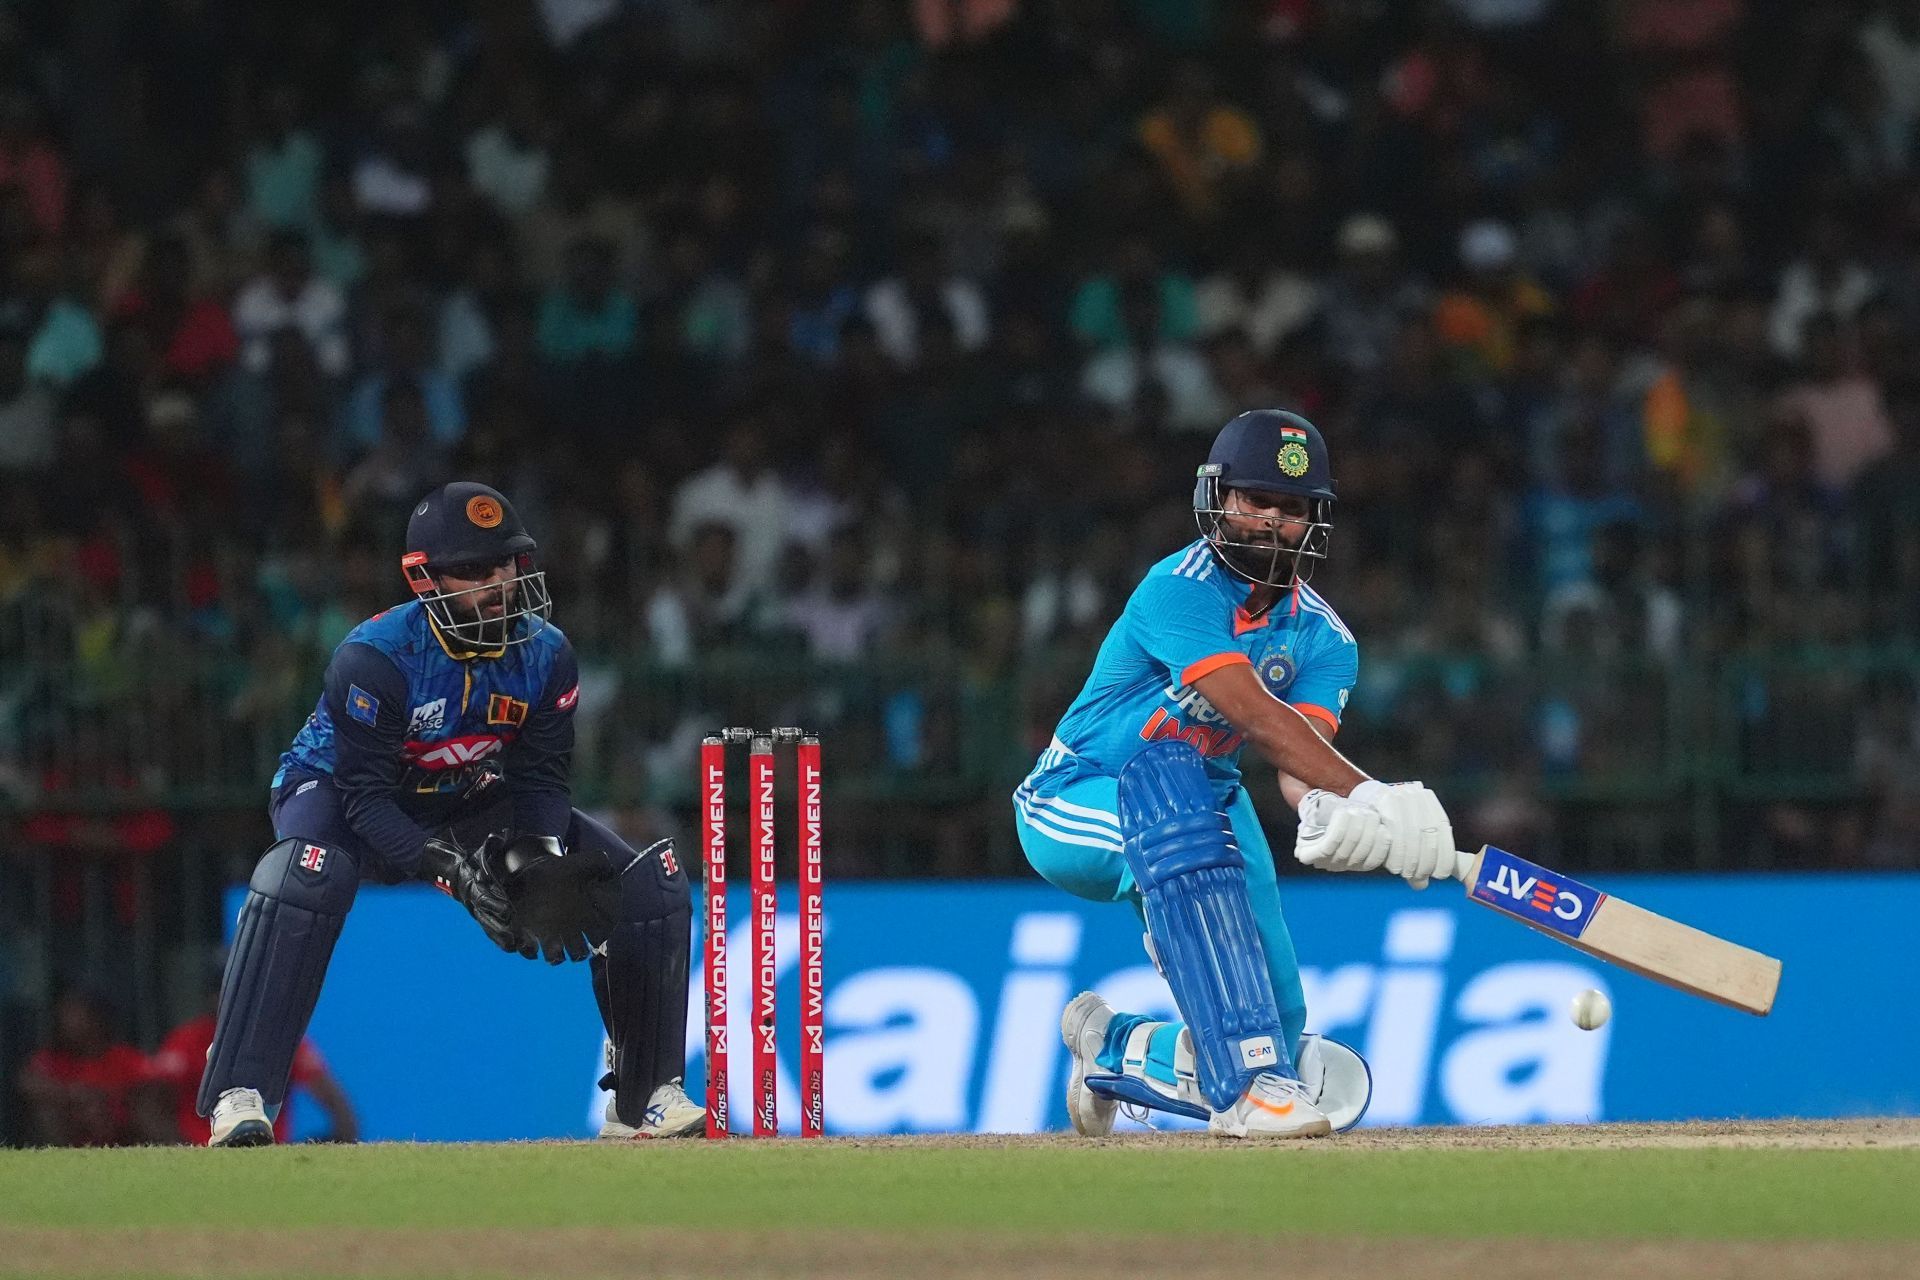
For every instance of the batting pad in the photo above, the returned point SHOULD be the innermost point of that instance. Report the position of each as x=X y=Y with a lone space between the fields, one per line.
x=1193 y=882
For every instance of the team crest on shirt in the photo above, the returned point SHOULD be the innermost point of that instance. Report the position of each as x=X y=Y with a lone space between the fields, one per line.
x=1278 y=671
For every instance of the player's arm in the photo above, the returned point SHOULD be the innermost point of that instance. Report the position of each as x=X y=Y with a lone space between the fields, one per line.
x=1295 y=742
x=540 y=761
x=366 y=697
x=311 y=1073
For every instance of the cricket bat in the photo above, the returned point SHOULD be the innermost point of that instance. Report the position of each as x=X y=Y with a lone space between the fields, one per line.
x=1618 y=932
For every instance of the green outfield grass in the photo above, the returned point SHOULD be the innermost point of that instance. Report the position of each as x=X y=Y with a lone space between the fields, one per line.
x=1854 y=1195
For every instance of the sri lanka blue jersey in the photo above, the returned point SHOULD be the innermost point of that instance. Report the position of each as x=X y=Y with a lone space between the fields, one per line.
x=414 y=737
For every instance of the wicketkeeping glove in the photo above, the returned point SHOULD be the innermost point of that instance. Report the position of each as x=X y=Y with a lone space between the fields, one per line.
x=464 y=876
x=566 y=903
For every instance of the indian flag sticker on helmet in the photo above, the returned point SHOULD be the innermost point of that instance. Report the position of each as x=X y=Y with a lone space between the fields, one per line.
x=1293 y=457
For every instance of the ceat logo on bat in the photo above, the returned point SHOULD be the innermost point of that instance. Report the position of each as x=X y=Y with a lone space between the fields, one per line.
x=1535 y=894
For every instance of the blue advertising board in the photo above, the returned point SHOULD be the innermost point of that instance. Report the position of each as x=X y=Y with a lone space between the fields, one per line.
x=943 y=1002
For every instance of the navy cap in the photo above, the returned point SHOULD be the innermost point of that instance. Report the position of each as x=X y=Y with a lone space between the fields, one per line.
x=463 y=522
x=1271 y=451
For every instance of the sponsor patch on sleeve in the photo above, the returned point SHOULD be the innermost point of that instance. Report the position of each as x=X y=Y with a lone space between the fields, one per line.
x=362 y=706
x=566 y=700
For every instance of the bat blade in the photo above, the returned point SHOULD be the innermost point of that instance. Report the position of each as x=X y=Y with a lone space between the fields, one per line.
x=1621 y=933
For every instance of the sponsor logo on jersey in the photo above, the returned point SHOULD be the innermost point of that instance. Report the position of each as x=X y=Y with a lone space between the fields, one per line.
x=1207 y=741
x=428 y=717
x=454 y=753
x=566 y=700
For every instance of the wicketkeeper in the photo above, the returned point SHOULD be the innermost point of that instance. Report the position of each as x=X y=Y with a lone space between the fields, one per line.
x=440 y=751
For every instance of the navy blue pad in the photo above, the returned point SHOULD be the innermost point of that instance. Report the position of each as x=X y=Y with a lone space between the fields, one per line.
x=1193 y=881
x=296 y=902
x=640 y=977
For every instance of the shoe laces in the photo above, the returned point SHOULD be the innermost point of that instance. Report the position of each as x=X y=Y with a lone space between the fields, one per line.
x=1279 y=1088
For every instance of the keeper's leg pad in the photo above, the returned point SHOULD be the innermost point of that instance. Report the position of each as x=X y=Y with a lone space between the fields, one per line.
x=640 y=978
x=296 y=902
x=1193 y=883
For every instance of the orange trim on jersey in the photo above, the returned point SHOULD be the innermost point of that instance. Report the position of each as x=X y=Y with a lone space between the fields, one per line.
x=1207 y=666
x=1321 y=714
x=1243 y=622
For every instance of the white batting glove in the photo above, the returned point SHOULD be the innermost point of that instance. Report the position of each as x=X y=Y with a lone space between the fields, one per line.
x=1338 y=833
x=1419 y=834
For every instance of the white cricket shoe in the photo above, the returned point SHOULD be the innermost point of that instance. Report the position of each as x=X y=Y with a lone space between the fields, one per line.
x=1084 y=1029
x=240 y=1120
x=670 y=1114
x=1272 y=1107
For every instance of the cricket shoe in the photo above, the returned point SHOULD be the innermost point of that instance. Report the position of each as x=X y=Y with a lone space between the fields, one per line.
x=670 y=1113
x=240 y=1120
x=1272 y=1107
x=1084 y=1029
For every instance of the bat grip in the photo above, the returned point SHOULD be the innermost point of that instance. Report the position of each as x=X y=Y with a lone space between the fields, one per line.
x=1462 y=860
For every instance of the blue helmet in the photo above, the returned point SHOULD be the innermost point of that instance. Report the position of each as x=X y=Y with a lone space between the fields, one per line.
x=1274 y=453
x=465 y=530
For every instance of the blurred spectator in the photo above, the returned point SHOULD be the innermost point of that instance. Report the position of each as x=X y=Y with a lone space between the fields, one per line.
x=591 y=317
x=289 y=296
x=1564 y=516
x=507 y=159
x=29 y=161
x=407 y=353
x=894 y=305
x=191 y=334
x=1266 y=301
x=182 y=1058
x=743 y=493
x=26 y=409
x=1840 y=405
x=1369 y=295
x=85 y=1088
x=1826 y=279
x=1153 y=379
x=1621 y=611
x=1201 y=142
x=839 y=613
x=703 y=608
x=284 y=165
x=1479 y=321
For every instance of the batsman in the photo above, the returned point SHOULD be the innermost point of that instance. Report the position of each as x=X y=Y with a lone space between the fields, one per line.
x=1138 y=799
x=440 y=751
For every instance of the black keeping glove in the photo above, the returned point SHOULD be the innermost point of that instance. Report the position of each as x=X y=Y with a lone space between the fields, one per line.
x=567 y=903
x=465 y=877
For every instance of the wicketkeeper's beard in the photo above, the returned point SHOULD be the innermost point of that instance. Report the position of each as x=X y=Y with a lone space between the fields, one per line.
x=483 y=614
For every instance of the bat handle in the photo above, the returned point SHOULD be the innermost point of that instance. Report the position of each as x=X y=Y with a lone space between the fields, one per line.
x=1462 y=860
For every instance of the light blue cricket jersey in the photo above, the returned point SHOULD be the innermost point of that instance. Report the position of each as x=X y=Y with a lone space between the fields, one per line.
x=1184 y=620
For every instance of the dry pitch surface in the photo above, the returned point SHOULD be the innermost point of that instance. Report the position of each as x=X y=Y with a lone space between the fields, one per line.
x=1776 y=1200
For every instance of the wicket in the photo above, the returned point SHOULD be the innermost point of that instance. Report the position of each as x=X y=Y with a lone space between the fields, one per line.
x=764 y=897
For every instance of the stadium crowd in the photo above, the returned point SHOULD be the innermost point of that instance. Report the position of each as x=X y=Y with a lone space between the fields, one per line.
x=871 y=335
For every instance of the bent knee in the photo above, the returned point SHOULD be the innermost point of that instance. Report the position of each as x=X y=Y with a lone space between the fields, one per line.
x=321 y=877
